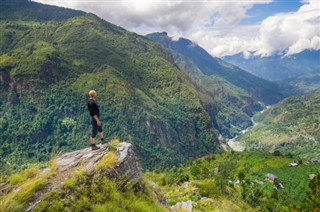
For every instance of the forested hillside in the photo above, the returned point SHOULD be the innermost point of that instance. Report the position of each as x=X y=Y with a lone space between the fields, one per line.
x=237 y=93
x=48 y=67
x=291 y=126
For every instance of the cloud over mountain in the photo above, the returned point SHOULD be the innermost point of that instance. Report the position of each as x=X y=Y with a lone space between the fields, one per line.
x=291 y=32
x=215 y=25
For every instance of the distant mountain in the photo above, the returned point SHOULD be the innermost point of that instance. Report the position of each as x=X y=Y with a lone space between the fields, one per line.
x=278 y=67
x=301 y=84
x=291 y=126
x=238 y=94
x=50 y=58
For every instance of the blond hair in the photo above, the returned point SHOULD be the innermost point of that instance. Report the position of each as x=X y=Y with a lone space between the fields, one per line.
x=92 y=94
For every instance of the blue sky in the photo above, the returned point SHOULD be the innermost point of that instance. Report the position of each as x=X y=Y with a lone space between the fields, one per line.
x=260 y=12
x=222 y=27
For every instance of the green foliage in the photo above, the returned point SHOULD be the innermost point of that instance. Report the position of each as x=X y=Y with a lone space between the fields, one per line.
x=312 y=200
x=289 y=127
x=68 y=184
x=20 y=189
x=47 y=68
x=82 y=193
x=230 y=94
x=210 y=189
x=107 y=161
x=22 y=177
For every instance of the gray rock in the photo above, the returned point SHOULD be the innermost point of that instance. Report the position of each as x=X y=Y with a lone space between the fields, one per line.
x=126 y=169
x=187 y=206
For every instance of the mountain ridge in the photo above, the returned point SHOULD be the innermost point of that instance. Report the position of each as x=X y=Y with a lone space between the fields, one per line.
x=144 y=97
x=210 y=65
x=237 y=94
x=278 y=67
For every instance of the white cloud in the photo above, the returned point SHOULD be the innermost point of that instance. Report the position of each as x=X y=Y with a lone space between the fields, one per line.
x=294 y=32
x=214 y=24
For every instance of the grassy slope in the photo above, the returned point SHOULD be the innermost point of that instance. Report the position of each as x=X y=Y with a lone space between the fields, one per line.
x=212 y=191
x=47 y=68
x=291 y=126
x=78 y=191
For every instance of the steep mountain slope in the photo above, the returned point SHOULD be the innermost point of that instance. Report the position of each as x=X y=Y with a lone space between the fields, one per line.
x=237 y=93
x=291 y=126
x=47 y=68
x=277 y=67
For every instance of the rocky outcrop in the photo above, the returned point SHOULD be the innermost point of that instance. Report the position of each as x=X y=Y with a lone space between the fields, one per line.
x=127 y=163
x=184 y=206
x=124 y=169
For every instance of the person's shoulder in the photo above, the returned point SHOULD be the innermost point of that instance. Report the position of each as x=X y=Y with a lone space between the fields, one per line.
x=92 y=102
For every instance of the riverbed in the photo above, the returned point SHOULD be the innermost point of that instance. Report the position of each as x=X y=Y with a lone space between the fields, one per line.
x=240 y=146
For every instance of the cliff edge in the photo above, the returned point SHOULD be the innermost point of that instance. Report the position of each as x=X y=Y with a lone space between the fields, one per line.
x=115 y=161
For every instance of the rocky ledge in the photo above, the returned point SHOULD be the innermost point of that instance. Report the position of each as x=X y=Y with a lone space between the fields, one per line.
x=126 y=165
x=123 y=170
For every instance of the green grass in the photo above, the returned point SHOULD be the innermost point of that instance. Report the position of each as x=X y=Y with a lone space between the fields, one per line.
x=20 y=191
x=249 y=194
x=107 y=161
x=84 y=193
x=18 y=179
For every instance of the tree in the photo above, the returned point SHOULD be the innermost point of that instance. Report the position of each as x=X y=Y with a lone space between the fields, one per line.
x=277 y=153
x=241 y=175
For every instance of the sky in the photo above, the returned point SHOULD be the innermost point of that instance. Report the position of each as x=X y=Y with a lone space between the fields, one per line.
x=222 y=27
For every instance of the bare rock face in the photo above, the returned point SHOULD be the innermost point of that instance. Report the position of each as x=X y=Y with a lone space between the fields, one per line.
x=185 y=206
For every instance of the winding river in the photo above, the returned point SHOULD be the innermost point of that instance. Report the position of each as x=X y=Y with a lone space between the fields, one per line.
x=240 y=146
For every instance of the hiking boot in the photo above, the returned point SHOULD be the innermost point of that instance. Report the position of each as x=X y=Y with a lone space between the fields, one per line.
x=94 y=147
x=104 y=141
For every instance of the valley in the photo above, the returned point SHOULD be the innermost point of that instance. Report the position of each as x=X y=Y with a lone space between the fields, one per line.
x=186 y=129
x=291 y=127
x=237 y=145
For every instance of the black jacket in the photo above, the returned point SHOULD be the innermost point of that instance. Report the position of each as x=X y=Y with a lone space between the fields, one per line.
x=93 y=108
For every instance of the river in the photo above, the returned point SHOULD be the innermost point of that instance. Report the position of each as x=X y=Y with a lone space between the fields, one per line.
x=240 y=146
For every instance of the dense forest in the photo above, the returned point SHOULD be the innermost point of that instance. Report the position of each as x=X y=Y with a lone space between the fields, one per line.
x=52 y=57
x=174 y=102
x=48 y=67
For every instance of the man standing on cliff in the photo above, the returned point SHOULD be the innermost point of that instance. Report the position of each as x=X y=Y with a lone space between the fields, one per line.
x=93 y=108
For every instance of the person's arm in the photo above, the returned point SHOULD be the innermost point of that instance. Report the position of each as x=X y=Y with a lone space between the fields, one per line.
x=97 y=120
